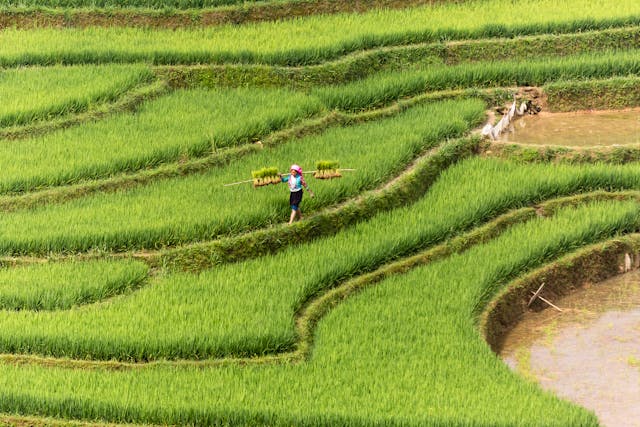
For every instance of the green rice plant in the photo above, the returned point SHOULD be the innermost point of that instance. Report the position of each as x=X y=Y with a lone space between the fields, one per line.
x=178 y=126
x=366 y=356
x=359 y=65
x=265 y=172
x=381 y=89
x=265 y=176
x=62 y=285
x=200 y=207
x=29 y=94
x=612 y=93
x=327 y=169
x=327 y=165
x=312 y=39
x=248 y=308
x=362 y=370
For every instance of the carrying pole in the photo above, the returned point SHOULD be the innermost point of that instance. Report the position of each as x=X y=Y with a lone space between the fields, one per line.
x=251 y=180
x=239 y=182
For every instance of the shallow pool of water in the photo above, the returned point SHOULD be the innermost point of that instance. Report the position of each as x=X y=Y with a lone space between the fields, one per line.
x=590 y=352
x=576 y=129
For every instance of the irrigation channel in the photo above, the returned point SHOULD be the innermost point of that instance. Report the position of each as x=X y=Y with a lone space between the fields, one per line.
x=576 y=129
x=589 y=352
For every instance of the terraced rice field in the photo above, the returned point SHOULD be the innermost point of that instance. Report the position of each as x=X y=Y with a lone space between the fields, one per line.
x=136 y=288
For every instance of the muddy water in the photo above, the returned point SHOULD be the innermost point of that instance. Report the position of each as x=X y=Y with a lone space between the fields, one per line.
x=577 y=129
x=589 y=353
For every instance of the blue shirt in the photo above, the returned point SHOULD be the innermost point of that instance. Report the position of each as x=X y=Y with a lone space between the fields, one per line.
x=295 y=182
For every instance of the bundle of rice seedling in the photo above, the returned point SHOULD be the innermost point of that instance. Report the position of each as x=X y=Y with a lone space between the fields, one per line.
x=327 y=169
x=265 y=176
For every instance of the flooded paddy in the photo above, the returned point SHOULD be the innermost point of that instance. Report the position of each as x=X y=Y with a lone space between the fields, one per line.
x=576 y=129
x=590 y=352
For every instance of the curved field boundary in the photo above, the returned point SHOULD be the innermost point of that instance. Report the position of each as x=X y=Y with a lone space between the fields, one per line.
x=359 y=64
x=309 y=315
x=46 y=287
x=513 y=188
x=247 y=12
x=58 y=194
x=407 y=187
x=19 y=363
x=39 y=94
x=33 y=421
x=561 y=154
x=253 y=243
x=146 y=207
x=88 y=400
x=412 y=183
x=231 y=48
x=168 y=130
x=591 y=264
x=386 y=87
x=128 y=101
x=68 y=191
x=223 y=250
x=595 y=94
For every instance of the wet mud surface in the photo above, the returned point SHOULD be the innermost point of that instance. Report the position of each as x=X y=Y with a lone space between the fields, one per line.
x=589 y=353
x=577 y=129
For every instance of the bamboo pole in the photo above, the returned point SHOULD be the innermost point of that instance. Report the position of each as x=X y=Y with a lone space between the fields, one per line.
x=239 y=182
x=251 y=180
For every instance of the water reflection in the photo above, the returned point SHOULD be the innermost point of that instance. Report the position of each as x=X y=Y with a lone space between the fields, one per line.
x=589 y=353
x=576 y=129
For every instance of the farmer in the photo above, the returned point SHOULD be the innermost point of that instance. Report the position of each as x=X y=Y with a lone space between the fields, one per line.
x=296 y=182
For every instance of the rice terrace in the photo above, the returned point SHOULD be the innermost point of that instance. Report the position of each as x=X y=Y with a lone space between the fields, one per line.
x=145 y=281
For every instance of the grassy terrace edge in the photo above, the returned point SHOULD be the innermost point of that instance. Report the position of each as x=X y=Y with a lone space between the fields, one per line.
x=441 y=44
x=251 y=244
x=127 y=102
x=578 y=96
x=310 y=313
x=259 y=242
x=363 y=63
x=411 y=184
x=167 y=17
x=558 y=154
x=592 y=264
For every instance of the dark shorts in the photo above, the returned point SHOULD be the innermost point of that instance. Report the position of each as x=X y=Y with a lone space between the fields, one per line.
x=294 y=199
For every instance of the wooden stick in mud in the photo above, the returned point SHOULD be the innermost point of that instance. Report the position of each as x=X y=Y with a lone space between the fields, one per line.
x=535 y=295
x=550 y=303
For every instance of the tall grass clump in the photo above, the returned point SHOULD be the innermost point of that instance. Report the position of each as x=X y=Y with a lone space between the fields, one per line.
x=28 y=94
x=312 y=39
x=200 y=207
x=184 y=124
